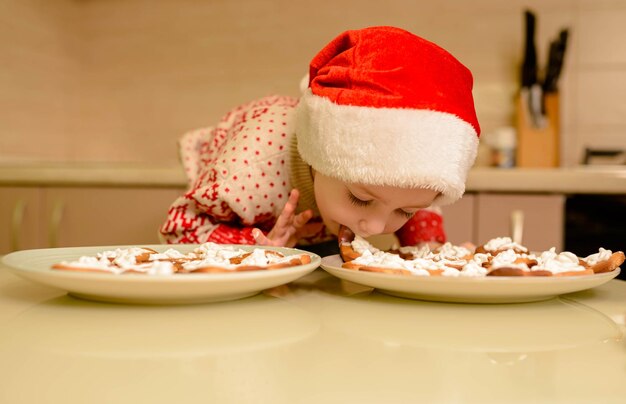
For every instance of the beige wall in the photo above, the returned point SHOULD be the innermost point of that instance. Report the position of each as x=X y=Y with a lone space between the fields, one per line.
x=39 y=71
x=121 y=80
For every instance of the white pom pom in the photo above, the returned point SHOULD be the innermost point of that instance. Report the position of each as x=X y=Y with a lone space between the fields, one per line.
x=304 y=83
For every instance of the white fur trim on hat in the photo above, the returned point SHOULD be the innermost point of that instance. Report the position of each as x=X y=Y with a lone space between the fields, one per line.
x=413 y=148
x=304 y=83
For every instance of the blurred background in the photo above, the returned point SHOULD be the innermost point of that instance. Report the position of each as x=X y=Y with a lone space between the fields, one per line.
x=94 y=95
x=121 y=80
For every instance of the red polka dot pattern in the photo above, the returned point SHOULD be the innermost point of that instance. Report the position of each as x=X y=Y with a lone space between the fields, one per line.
x=425 y=226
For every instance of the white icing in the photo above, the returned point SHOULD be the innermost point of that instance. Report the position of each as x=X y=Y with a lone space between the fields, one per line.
x=450 y=251
x=501 y=243
x=206 y=255
x=557 y=263
x=101 y=263
x=161 y=268
x=451 y=272
x=453 y=263
x=601 y=255
x=473 y=269
x=260 y=258
x=504 y=259
x=481 y=258
x=448 y=258
x=172 y=254
x=420 y=272
x=360 y=245
x=196 y=264
x=217 y=252
x=380 y=259
x=416 y=252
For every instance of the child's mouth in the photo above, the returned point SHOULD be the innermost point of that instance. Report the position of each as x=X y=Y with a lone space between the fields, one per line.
x=345 y=234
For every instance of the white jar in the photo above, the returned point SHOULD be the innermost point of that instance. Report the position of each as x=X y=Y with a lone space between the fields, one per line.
x=503 y=143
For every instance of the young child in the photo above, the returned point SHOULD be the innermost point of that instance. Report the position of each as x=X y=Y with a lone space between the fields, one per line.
x=385 y=131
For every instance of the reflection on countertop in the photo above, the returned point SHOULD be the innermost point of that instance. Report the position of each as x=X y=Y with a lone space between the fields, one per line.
x=71 y=326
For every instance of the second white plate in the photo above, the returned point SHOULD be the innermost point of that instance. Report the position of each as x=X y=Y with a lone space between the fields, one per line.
x=465 y=289
x=35 y=265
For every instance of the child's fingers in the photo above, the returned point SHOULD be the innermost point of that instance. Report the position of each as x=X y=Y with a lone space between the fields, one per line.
x=292 y=202
x=294 y=195
x=260 y=238
x=311 y=229
x=302 y=218
x=287 y=223
x=286 y=216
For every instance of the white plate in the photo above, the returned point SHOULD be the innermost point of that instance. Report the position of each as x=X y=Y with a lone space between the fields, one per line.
x=35 y=265
x=468 y=290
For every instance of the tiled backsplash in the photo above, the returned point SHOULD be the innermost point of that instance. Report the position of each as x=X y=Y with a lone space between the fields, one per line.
x=113 y=80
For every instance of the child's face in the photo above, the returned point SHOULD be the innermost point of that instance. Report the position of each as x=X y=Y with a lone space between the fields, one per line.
x=367 y=209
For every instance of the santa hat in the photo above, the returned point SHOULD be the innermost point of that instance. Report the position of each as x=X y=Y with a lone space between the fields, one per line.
x=386 y=107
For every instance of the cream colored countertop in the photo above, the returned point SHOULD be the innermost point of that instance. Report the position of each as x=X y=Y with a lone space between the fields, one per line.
x=591 y=180
x=317 y=340
x=135 y=175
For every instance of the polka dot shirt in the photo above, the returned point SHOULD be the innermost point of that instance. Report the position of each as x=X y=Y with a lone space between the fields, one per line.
x=239 y=176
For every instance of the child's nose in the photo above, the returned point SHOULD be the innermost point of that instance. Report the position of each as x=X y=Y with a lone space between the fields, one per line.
x=372 y=226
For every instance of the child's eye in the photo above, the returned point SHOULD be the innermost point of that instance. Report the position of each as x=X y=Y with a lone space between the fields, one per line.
x=356 y=201
x=406 y=214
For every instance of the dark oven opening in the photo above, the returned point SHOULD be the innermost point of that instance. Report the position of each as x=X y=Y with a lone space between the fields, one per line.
x=594 y=221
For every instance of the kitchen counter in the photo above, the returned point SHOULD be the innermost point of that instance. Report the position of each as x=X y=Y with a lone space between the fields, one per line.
x=584 y=179
x=115 y=175
x=578 y=180
x=317 y=340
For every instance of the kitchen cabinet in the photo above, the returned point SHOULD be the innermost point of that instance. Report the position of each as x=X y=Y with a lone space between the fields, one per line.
x=20 y=218
x=459 y=221
x=40 y=217
x=106 y=216
x=479 y=217
x=543 y=218
x=56 y=216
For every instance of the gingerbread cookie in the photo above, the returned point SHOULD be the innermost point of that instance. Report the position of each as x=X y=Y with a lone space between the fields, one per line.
x=497 y=257
x=206 y=258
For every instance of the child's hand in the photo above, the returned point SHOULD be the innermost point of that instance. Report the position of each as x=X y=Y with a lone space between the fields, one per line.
x=289 y=227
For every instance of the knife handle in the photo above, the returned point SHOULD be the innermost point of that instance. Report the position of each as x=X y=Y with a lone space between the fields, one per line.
x=529 y=65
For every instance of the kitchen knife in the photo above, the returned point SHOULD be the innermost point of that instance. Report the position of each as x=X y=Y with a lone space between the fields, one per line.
x=529 y=65
x=556 y=57
x=532 y=93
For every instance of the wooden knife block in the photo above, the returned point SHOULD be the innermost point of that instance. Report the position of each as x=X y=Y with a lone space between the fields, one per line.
x=538 y=147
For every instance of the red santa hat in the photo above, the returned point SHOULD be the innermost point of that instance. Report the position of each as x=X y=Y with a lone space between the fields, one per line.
x=386 y=107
